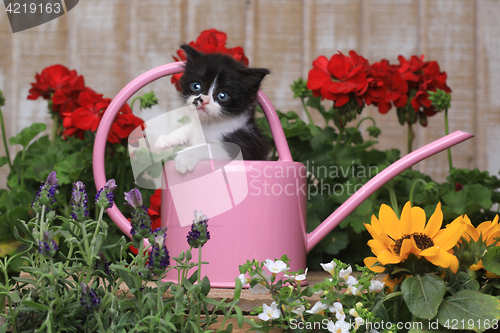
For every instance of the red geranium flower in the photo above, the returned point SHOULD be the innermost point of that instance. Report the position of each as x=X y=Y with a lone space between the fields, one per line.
x=337 y=78
x=396 y=88
x=62 y=84
x=422 y=77
x=210 y=41
x=88 y=117
x=65 y=98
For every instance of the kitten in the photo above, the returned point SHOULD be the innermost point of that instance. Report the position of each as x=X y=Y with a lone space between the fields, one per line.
x=224 y=92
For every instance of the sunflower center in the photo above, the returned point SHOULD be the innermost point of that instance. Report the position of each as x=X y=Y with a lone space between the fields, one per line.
x=399 y=242
x=422 y=241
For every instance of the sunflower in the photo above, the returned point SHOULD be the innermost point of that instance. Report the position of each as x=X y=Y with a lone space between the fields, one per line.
x=394 y=239
x=488 y=231
x=486 y=234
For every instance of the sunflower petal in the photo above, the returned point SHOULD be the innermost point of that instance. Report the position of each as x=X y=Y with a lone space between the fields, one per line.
x=431 y=251
x=435 y=222
x=448 y=237
x=370 y=261
x=377 y=226
x=406 y=219
x=417 y=220
x=445 y=260
x=384 y=255
x=406 y=248
x=390 y=222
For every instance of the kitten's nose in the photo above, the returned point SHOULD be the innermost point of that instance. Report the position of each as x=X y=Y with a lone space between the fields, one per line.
x=201 y=100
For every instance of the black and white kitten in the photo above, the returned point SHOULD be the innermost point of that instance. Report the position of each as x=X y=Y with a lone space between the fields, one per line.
x=224 y=92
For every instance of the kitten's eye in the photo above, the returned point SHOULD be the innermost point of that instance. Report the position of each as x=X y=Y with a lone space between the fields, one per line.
x=195 y=86
x=222 y=96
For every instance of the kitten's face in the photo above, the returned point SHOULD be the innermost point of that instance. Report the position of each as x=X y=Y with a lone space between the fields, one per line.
x=219 y=86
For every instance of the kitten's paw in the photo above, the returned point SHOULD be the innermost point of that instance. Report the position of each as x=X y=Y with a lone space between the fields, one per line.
x=167 y=141
x=186 y=162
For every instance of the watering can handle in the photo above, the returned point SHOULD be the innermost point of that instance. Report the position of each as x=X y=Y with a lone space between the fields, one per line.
x=379 y=180
x=127 y=92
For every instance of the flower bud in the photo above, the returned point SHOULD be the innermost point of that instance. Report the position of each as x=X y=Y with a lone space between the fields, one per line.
x=48 y=246
x=46 y=193
x=199 y=234
x=79 y=201
x=105 y=197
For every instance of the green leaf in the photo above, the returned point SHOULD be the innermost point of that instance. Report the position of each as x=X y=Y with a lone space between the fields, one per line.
x=237 y=288
x=470 y=309
x=27 y=134
x=205 y=286
x=35 y=305
x=491 y=260
x=14 y=297
x=468 y=200
x=3 y=160
x=423 y=294
x=335 y=241
x=69 y=169
x=239 y=316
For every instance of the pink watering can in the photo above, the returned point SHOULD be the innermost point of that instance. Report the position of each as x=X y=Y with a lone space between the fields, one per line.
x=256 y=209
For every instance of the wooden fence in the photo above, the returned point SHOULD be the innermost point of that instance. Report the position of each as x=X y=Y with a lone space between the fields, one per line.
x=110 y=42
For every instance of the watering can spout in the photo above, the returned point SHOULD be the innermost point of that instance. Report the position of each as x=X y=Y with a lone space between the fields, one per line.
x=379 y=180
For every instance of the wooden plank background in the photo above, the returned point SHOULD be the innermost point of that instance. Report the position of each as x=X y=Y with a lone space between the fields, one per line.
x=111 y=42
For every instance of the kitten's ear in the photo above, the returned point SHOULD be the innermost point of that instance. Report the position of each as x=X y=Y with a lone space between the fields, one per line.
x=191 y=53
x=256 y=75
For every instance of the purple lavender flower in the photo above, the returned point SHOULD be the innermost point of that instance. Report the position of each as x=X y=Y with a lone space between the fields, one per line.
x=89 y=298
x=47 y=246
x=159 y=258
x=133 y=198
x=79 y=200
x=105 y=197
x=199 y=234
x=102 y=265
x=140 y=220
x=46 y=193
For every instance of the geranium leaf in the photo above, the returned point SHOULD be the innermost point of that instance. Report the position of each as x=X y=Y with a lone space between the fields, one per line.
x=423 y=294
x=491 y=260
x=473 y=310
x=27 y=134
x=468 y=200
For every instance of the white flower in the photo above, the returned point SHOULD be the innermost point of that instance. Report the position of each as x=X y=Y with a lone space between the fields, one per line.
x=299 y=310
x=275 y=267
x=351 y=289
x=359 y=305
x=269 y=312
x=344 y=273
x=338 y=327
x=260 y=287
x=198 y=216
x=243 y=279
x=338 y=310
x=354 y=313
x=298 y=277
x=376 y=286
x=351 y=280
x=318 y=308
x=358 y=322
x=330 y=267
